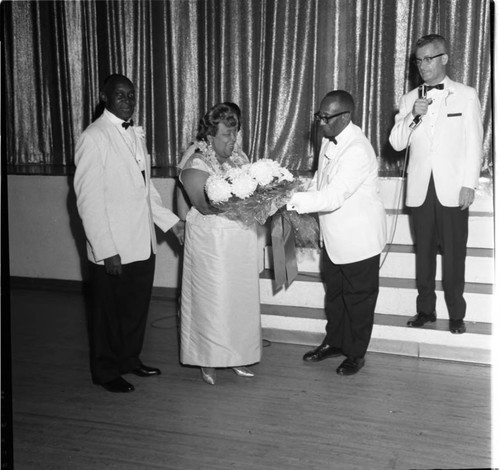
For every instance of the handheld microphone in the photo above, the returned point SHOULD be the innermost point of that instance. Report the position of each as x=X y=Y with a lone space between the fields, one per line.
x=422 y=93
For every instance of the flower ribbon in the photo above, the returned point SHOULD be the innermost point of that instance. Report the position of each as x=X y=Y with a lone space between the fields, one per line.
x=283 y=248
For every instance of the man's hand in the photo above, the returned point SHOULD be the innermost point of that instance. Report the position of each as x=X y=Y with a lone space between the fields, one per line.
x=466 y=197
x=178 y=231
x=113 y=265
x=420 y=107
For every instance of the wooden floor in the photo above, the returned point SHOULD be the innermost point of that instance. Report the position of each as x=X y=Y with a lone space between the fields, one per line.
x=397 y=413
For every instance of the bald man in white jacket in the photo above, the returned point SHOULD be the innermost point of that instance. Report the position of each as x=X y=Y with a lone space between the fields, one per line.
x=345 y=193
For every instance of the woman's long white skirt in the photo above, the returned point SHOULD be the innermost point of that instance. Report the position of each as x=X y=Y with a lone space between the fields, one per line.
x=220 y=304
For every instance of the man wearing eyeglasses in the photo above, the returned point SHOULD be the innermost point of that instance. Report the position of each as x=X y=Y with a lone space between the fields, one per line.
x=441 y=121
x=345 y=193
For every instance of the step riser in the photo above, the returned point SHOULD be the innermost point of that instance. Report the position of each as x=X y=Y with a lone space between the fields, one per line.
x=481 y=232
x=481 y=224
x=478 y=269
x=390 y=190
x=392 y=301
x=392 y=340
x=289 y=324
x=402 y=265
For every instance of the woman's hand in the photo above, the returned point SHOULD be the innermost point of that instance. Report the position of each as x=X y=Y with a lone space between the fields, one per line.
x=178 y=230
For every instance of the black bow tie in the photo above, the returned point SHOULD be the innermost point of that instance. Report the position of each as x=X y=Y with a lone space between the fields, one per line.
x=126 y=125
x=431 y=87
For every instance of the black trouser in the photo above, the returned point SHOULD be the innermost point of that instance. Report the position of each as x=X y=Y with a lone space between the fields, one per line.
x=351 y=296
x=118 y=315
x=434 y=226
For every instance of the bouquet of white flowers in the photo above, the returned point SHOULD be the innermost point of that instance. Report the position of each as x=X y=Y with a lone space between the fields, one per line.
x=252 y=192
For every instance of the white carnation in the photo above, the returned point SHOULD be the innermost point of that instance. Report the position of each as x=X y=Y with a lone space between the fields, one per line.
x=139 y=132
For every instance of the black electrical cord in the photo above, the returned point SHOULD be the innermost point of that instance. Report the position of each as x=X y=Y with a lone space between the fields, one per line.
x=398 y=201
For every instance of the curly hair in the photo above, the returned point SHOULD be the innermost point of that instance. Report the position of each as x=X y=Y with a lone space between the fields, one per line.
x=227 y=113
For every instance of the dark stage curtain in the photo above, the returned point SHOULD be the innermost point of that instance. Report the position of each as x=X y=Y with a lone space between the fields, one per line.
x=275 y=58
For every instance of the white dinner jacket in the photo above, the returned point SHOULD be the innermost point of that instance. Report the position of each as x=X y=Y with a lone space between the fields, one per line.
x=345 y=193
x=117 y=205
x=452 y=152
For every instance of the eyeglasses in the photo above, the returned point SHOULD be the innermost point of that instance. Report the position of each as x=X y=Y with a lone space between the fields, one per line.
x=325 y=118
x=427 y=60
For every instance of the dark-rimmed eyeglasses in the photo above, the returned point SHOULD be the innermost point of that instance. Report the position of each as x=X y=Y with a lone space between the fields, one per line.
x=426 y=60
x=324 y=118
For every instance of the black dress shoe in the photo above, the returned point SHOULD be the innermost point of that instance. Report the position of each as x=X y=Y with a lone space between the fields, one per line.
x=323 y=351
x=420 y=319
x=118 y=385
x=145 y=371
x=351 y=366
x=457 y=327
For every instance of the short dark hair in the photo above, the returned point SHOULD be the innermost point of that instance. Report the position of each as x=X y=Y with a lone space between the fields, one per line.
x=343 y=98
x=110 y=80
x=430 y=39
x=227 y=113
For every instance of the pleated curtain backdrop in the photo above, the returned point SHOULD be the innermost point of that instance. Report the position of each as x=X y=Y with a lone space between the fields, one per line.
x=275 y=58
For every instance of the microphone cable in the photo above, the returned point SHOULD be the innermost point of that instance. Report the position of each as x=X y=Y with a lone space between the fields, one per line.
x=399 y=195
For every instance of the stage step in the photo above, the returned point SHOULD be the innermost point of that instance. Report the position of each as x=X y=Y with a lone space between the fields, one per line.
x=295 y=314
x=396 y=296
x=301 y=325
x=399 y=261
x=481 y=229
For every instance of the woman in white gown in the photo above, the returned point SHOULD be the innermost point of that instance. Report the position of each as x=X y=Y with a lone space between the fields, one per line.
x=220 y=303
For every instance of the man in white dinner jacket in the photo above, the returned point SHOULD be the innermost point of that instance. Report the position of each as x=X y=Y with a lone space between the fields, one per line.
x=345 y=193
x=441 y=121
x=119 y=206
